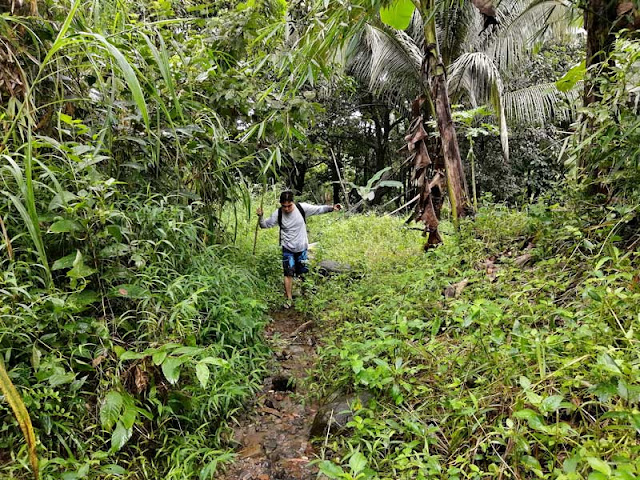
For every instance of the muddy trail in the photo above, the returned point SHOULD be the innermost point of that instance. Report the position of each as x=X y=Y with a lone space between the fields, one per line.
x=273 y=436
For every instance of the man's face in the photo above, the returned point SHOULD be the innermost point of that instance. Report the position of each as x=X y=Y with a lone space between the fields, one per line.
x=287 y=207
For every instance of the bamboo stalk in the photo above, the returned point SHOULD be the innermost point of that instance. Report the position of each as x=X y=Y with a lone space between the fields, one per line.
x=255 y=234
x=344 y=189
x=7 y=240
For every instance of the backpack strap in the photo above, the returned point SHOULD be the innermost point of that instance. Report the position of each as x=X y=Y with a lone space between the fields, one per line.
x=302 y=212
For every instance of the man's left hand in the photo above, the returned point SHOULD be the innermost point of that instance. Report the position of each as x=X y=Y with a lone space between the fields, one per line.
x=337 y=207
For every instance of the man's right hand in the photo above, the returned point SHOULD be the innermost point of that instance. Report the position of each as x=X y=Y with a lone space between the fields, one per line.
x=259 y=212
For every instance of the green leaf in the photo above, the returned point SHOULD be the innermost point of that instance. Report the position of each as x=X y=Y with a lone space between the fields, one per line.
x=61 y=199
x=115 y=232
x=112 y=251
x=129 y=75
x=113 y=469
x=129 y=355
x=218 y=362
x=357 y=463
x=331 y=470
x=551 y=404
x=573 y=76
x=599 y=465
x=171 y=369
x=129 y=416
x=80 y=270
x=202 y=372
x=120 y=436
x=158 y=357
x=64 y=262
x=65 y=226
x=533 y=464
x=110 y=410
x=597 y=476
x=398 y=14
x=130 y=291
x=61 y=379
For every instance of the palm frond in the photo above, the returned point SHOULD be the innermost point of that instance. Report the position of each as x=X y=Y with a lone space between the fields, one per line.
x=389 y=62
x=478 y=75
x=523 y=24
x=454 y=20
x=416 y=30
x=541 y=103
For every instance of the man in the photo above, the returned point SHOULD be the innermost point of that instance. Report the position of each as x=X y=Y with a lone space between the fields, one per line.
x=291 y=217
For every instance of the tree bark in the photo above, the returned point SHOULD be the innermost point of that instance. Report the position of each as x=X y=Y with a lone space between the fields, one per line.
x=599 y=19
x=436 y=76
x=297 y=177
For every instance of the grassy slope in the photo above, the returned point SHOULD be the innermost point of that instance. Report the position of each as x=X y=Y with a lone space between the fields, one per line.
x=534 y=375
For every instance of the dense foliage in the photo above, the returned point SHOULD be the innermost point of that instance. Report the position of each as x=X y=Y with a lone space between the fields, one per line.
x=526 y=372
x=136 y=139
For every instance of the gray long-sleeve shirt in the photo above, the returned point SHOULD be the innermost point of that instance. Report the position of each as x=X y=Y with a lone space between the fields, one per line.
x=294 y=230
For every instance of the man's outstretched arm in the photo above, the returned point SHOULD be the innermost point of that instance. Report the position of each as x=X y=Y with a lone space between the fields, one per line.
x=269 y=222
x=310 y=210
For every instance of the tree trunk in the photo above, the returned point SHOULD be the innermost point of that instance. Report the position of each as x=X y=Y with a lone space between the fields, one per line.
x=428 y=207
x=436 y=75
x=297 y=177
x=599 y=19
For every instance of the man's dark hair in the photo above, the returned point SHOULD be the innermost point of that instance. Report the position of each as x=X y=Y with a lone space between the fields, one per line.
x=286 y=196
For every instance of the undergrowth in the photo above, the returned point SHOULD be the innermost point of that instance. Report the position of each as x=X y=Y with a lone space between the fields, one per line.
x=147 y=341
x=531 y=372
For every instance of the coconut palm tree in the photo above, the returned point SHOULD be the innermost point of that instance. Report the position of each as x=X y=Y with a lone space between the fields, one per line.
x=476 y=43
x=476 y=57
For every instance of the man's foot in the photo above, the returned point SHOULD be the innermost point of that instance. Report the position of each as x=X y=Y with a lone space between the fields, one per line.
x=287 y=304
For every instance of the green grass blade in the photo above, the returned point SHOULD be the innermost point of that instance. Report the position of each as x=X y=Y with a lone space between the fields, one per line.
x=128 y=72
x=162 y=59
x=22 y=415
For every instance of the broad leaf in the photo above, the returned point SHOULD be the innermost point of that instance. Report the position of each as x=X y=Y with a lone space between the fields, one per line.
x=171 y=369
x=357 y=462
x=202 y=372
x=573 y=76
x=398 y=14
x=599 y=465
x=65 y=226
x=331 y=470
x=120 y=436
x=80 y=270
x=64 y=262
x=110 y=410
x=130 y=291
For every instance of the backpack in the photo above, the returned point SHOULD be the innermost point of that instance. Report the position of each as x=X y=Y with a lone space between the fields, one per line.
x=300 y=209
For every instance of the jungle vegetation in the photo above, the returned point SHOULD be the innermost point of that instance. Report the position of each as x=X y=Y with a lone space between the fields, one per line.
x=490 y=144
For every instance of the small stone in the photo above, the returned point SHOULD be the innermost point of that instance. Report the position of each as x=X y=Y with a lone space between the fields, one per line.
x=331 y=267
x=334 y=416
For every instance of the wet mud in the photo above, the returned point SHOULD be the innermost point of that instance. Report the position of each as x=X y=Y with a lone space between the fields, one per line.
x=273 y=436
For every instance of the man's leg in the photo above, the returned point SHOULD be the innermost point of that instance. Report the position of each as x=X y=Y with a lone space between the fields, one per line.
x=288 y=286
x=302 y=268
x=289 y=267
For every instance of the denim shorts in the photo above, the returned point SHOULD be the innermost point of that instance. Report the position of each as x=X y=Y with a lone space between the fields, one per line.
x=294 y=263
